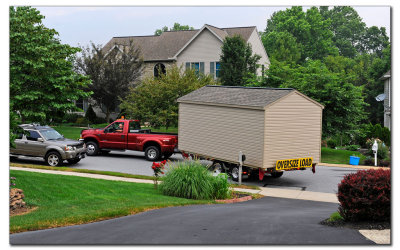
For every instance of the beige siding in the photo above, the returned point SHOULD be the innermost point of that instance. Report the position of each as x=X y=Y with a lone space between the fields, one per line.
x=292 y=130
x=221 y=132
x=258 y=48
x=206 y=47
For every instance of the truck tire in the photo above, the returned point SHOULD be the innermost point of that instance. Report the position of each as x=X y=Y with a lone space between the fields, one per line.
x=167 y=155
x=152 y=153
x=92 y=148
x=276 y=174
x=234 y=172
x=217 y=168
x=53 y=159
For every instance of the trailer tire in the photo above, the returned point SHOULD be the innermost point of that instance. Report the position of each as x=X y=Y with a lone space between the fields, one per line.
x=234 y=172
x=152 y=153
x=217 y=168
x=276 y=174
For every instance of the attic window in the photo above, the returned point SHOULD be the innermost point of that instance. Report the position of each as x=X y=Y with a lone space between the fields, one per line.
x=159 y=69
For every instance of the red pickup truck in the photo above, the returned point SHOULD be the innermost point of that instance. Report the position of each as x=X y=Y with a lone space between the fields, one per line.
x=128 y=135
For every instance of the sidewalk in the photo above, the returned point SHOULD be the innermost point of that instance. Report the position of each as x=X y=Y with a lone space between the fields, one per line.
x=350 y=166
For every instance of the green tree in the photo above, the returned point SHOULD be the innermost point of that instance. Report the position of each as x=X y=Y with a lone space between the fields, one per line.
x=309 y=33
x=237 y=61
x=282 y=46
x=154 y=99
x=42 y=79
x=111 y=72
x=176 y=27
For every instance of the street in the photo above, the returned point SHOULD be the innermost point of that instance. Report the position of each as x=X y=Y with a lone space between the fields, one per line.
x=324 y=180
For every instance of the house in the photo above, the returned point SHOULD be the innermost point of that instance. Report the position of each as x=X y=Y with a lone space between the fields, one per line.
x=387 y=101
x=199 y=49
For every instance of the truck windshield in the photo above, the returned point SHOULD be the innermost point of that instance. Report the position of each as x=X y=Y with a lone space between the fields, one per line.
x=51 y=134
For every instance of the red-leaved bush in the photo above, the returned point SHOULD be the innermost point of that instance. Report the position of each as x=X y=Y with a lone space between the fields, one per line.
x=365 y=196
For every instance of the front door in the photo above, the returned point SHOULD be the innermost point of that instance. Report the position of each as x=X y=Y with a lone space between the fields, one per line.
x=32 y=146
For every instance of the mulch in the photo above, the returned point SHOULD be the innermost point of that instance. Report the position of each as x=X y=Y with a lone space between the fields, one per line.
x=364 y=225
x=21 y=211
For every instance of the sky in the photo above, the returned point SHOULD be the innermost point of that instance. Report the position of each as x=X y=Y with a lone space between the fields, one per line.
x=80 y=25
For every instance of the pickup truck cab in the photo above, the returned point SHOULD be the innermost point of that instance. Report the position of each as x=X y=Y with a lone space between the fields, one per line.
x=128 y=135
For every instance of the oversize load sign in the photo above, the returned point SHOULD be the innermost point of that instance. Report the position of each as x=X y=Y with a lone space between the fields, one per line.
x=294 y=163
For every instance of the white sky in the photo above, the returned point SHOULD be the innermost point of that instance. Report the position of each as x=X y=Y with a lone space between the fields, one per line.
x=80 y=25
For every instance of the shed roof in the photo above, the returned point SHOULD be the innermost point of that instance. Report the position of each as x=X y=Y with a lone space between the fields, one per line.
x=236 y=96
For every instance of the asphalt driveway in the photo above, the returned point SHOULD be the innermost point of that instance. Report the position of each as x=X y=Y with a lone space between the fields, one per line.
x=263 y=221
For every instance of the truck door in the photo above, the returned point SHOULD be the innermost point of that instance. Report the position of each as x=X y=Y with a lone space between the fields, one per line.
x=114 y=136
x=134 y=128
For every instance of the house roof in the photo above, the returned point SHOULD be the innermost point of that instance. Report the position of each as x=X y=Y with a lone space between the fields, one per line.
x=169 y=43
x=236 y=96
x=385 y=76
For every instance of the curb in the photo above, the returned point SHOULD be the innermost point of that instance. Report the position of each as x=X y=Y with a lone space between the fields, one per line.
x=350 y=166
x=235 y=200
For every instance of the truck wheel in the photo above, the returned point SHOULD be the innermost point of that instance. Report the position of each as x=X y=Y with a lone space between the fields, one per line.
x=73 y=161
x=152 y=153
x=167 y=155
x=276 y=174
x=92 y=148
x=235 y=173
x=53 y=159
x=217 y=168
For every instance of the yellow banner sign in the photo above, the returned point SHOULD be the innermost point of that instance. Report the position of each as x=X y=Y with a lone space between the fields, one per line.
x=294 y=163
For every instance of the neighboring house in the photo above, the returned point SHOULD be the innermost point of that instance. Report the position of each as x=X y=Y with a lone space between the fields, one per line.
x=387 y=101
x=199 y=49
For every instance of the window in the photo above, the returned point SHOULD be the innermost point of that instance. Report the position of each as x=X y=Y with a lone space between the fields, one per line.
x=81 y=104
x=214 y=69
x=159 y=69
x=197 y=66
x=33 y=135
x=134 y=126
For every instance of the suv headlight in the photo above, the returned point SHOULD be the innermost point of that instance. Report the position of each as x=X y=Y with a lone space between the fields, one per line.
x=69 y=148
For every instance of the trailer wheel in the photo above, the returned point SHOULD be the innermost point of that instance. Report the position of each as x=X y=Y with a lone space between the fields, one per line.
x=276 y=174
x=234 y=173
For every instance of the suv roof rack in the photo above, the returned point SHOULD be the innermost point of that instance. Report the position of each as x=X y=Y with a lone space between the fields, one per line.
x=33 y=126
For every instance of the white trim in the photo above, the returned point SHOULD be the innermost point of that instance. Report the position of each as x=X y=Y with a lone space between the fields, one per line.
x=115 y=46
x=194 y=37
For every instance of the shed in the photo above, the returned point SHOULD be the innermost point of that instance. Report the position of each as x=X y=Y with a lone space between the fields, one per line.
x=266 y=124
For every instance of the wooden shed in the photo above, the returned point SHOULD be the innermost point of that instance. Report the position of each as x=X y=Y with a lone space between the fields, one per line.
x=266 y=124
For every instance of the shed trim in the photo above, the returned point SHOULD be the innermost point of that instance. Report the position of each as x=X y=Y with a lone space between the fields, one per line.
x=300 y=94
x=223 y=105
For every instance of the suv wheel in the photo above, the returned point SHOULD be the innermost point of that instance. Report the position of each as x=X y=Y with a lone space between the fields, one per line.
x=92 y=148
x=53 y=159
x=152 y=153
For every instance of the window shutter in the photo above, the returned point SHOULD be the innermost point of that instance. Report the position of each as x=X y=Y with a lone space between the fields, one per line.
x=212 y=68
x=188 y=65
x=202 y=68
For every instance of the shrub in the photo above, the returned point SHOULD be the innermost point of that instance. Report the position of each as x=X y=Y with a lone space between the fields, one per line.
x=383 y=150
x=70 y=117
x=331 y=143
x=365 y=196
x=90 y=114
x=352 y=147
x=192 y=180
x=369 y=161
x=82 y=121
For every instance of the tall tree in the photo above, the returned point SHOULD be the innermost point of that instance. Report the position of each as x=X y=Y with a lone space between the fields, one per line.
x=176 y=27
x=154 y=99
x=42 y=79
x=111 y=72
x=237 y=61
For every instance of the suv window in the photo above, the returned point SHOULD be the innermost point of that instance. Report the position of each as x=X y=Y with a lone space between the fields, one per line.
x=33 y=135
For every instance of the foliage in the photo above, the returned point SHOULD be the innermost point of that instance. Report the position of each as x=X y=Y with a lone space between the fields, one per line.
x=383 y=150
x=154 y=99
x=12 y=182
x=365 y=196
x=42 y=80
x=192 y=180
x=237 y=61
x=352 y=147
x=331 y=143
x=158 y=171
x=112 y=72
x=176 y=27
x=91 y=115
x=14 y=120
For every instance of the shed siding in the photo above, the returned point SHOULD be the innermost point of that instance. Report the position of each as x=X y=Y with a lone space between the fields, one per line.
x=292 y=130
x=221 y=132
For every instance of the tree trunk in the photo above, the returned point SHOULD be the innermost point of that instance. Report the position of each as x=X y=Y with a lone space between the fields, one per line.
x=107 y=115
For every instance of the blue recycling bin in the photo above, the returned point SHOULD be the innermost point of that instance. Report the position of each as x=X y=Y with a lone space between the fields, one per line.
x=354 y=160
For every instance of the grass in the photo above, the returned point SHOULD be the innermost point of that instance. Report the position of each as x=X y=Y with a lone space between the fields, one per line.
x=335 y=217
x=69 y=169
x=339 y=156
x=70 y=200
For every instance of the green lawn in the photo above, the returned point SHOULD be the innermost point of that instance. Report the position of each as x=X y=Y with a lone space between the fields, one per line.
x=69 y=200
x=338 y=156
